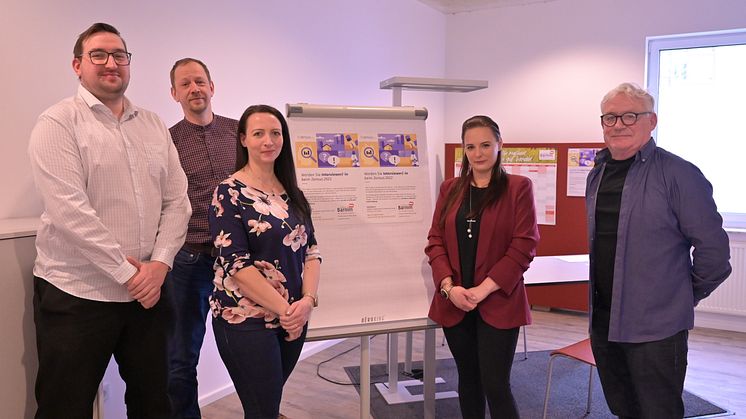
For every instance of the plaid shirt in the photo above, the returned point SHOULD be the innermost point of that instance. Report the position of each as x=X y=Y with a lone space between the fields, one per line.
x=208 y=156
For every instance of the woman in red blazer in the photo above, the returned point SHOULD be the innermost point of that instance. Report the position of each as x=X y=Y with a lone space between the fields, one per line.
x=482 y=239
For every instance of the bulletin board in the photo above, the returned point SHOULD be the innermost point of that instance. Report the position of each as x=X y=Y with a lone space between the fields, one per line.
x=569 y=235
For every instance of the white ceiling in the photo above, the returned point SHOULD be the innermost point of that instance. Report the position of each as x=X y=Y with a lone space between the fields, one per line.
x=461 y=6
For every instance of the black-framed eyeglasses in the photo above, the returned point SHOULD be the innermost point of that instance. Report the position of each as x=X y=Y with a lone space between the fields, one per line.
x=628 y=118
x=102 y=57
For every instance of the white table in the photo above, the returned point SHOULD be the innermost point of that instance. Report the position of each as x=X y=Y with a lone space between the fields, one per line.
x=558 y=281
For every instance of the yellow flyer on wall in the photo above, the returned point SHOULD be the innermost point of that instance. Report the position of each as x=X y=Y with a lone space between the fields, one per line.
x=539 y=165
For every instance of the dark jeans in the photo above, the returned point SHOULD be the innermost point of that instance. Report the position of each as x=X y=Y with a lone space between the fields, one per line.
x=189 y=285
x=259 y=361
x=76 y=338
x=484 y=358
x=642 y=380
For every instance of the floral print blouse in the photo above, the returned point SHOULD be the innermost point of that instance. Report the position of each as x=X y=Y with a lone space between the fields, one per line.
x=253 y=228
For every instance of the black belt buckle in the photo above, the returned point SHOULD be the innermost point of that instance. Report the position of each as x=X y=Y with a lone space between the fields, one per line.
x=203 y=249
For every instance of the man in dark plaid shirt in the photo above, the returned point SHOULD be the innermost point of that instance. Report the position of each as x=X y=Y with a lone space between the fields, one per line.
x=207 y=150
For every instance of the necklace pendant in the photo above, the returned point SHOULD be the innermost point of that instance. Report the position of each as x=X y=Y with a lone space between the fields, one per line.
x=469 y=222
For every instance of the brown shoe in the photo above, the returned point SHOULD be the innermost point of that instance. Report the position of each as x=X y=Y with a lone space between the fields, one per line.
x=282 y=416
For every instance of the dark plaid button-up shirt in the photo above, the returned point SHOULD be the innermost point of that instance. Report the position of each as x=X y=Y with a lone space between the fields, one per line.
x=208 y=156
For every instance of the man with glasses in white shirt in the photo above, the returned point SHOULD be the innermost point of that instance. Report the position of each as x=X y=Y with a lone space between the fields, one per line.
x=115 y=214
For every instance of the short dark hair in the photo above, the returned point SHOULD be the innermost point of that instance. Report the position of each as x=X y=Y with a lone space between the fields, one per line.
x=185 y=61
x=94 y=29
x=284 y=166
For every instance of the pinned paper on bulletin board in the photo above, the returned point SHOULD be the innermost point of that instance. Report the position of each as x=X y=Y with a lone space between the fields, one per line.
x=458 y=158
x=580 y=161
x=540 y=165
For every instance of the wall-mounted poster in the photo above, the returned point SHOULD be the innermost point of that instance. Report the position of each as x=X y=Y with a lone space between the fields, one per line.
x=539 y=165
x=579 y=164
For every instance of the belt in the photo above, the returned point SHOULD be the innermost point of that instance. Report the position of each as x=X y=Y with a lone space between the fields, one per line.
x=205 y=249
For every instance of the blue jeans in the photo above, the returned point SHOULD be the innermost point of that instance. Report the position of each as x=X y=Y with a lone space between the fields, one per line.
x=189 y=285
x=259 y=361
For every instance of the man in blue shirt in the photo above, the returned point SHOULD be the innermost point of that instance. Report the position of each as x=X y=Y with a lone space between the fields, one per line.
x=657 y=247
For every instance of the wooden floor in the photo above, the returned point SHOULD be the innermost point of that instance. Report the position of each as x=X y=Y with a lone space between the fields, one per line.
x=717 y=369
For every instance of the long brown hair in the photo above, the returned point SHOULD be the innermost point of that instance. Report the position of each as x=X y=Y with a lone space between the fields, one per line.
x=284 y=168
x=498 y=180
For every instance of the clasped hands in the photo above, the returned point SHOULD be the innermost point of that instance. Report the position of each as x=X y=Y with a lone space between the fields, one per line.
x=145 y=285
x=467 y=299
x=295 y=317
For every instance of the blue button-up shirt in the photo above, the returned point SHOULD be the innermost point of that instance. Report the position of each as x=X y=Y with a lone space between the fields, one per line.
x=671 y=248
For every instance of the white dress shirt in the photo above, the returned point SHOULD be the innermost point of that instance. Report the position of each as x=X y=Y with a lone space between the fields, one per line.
x=111 y=189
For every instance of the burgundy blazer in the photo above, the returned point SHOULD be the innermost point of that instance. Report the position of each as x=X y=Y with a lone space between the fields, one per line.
x=508 y=236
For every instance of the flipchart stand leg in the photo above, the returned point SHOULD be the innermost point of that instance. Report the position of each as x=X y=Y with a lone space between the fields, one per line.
x=393 y=367
x=365 y=377
x=428 y=377
x=408 y=352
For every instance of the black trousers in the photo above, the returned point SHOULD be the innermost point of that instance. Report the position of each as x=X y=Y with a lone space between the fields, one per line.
x=484 y=358
x=76 y=338
x=642 y=380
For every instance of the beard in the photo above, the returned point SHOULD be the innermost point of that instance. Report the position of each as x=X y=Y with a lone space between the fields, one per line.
x=198 y=106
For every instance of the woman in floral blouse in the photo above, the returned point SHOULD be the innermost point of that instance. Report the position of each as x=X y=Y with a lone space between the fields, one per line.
x=267 y=269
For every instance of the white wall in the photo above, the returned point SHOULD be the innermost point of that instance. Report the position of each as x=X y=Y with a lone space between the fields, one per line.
x=549 y=64
x=274 y=52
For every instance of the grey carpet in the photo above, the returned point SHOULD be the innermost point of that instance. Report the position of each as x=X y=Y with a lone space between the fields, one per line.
x=568 y=397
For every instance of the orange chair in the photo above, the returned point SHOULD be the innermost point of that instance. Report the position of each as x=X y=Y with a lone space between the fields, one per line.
x=580 y=351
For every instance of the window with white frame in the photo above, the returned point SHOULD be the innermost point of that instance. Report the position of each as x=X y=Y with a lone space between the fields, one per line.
x=699 y=83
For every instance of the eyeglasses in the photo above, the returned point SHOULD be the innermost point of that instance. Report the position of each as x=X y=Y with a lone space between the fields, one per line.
x=102 y=57
x=628 y=118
